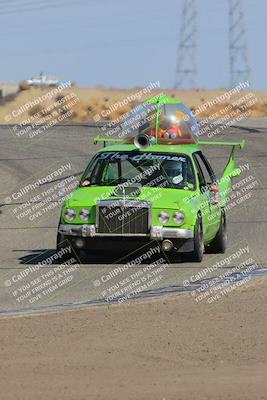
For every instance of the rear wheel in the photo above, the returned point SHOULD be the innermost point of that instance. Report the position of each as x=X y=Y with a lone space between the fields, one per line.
x=218 y=245
x=197 y=254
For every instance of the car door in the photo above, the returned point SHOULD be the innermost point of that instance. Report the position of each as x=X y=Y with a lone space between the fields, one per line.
x=210 y=196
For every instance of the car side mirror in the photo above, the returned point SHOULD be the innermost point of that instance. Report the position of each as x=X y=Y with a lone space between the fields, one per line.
x=214 y=196
x=214 y=188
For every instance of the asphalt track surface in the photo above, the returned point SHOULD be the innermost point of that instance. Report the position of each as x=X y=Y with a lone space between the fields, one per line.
x=26 y=240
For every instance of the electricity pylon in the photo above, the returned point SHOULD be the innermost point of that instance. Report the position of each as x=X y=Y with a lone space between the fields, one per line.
x=238 y=49
x=186 y=69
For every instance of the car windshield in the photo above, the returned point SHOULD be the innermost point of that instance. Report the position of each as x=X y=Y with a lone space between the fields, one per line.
x=142 y=168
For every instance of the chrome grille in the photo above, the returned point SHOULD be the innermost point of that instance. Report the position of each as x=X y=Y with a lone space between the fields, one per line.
x=123 y=217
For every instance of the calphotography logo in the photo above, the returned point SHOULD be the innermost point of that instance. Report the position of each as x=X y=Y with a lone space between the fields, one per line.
x=133 y=182
x=44 y=277
x=38 y=196
x=145 y=270
x=216 y=281
x=38 y=116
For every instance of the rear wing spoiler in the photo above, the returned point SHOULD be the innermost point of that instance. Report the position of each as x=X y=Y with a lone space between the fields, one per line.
x=99 y=139
x=231 y=161
x=241 y=144
x=225 y=182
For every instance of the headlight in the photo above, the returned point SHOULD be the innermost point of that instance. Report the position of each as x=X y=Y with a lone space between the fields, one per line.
x=84 y=214
x=178 y=217
x=163 y=217
x=70 y=214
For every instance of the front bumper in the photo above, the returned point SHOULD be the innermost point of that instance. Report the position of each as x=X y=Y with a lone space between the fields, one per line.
x=156 y=232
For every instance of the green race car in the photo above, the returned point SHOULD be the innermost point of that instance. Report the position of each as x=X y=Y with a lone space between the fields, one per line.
x=154 y=183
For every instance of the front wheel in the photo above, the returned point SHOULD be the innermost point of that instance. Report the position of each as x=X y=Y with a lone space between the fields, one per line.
x=64 y=244
x=197 y=254
x=60 y=239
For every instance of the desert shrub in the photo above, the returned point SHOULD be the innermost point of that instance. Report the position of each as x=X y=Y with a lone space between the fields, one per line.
x=59 y=97
x=23 y=85
x=38 y=108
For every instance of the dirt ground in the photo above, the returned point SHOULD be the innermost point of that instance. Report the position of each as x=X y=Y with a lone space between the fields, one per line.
x=167 y=348
x=88 y=103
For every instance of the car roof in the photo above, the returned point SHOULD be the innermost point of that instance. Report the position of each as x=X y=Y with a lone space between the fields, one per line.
x=187 y=149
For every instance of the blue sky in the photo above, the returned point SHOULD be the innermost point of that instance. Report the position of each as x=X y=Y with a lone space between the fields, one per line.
x=122 y=43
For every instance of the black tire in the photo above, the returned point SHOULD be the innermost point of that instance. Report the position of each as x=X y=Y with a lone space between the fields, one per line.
x=60 y=239
x=61 y=243
x=174 y=256
x=197 y=254
x=218 y=245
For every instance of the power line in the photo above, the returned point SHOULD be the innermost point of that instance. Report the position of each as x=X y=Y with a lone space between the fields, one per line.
x=17 y=3
x=39 y=7
x=93 y=22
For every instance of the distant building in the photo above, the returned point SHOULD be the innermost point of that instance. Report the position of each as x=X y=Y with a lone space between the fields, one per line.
x=7 y=88
x=43 y=80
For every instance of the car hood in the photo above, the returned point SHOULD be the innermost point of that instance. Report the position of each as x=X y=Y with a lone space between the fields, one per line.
x=160 y=198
